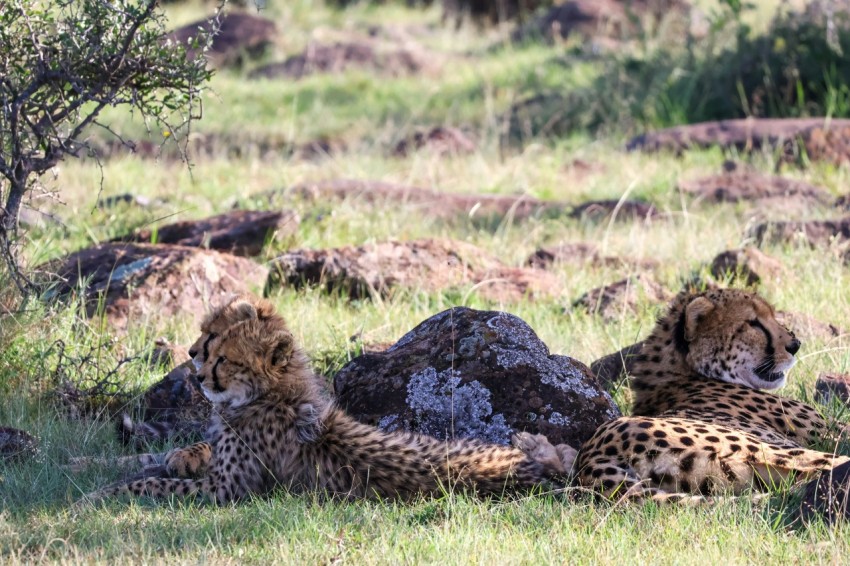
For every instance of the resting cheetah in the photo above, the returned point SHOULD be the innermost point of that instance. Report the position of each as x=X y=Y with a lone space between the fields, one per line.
x=273 y=425
x=700 y=423
x=188 y=461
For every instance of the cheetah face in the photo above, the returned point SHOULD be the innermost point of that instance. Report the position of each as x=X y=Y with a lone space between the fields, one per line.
x=237 y=309
x=245 y=361
x=224 y=381
x=734 y=336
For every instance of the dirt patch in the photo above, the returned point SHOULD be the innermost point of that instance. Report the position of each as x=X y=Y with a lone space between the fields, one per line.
x=491 y=11
x=611 y=19
x=432 y=204
x=808 y=328
x=212 y=145
x=613 y=301
x=342 y=56
x=240 y=34
x=625 y=210
x=240 y=232
x=750 y=186
x=141 y=281
x=480 y=374
x=748 y=266
x=440 y=140
x=817 y=233
x=429 y=265
x=583 y=253
x=821 y=138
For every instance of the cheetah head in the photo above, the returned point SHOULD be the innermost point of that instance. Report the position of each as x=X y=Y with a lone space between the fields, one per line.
x=733 y=335
x=246 y=359
x=238 y=309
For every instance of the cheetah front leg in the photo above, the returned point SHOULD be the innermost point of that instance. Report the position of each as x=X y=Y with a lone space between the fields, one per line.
x=184 y=462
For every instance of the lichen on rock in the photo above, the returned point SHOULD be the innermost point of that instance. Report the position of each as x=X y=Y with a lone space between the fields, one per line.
x=444 y=407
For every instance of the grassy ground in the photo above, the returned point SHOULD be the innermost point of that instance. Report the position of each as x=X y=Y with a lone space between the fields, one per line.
x=473 y=88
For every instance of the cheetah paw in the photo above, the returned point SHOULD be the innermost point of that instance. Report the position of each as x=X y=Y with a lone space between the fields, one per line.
x=557 y=459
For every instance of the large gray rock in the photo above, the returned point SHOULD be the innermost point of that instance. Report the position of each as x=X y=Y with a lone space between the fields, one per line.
x=471 y=373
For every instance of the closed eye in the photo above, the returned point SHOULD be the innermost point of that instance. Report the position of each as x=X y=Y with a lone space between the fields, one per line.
x=756 y=323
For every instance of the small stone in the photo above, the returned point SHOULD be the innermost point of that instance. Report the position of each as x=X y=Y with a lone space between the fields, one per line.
x=15 y=444
x=832 y=385
x=623 y=297
x=827 y=496
x=625 y=210
x=748 y=264
x=440 y=140
x=611 y=368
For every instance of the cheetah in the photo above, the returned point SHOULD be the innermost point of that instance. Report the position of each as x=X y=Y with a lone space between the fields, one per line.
x=274 y=425
x=701 y=423
x=186 y=461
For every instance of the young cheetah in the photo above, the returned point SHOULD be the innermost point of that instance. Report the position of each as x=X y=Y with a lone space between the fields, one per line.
x=701 y=425
x=273 y=425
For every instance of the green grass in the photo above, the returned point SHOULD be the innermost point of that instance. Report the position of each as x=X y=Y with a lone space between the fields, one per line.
x=473 y=89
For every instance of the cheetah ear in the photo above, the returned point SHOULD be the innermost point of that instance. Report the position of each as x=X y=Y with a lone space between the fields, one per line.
x=694 y=313
x=282 y=350
x=244 y=311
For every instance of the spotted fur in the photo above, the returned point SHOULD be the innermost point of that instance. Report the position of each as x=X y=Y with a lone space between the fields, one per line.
x=701 y=424
x=274 y=425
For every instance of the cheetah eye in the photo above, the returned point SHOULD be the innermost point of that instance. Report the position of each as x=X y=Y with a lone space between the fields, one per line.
x=756 y=323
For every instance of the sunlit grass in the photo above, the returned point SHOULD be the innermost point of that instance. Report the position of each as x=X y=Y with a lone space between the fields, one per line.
x=474 y=86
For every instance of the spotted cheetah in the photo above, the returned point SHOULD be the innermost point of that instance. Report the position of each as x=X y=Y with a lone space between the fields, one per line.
x=701 y=424
x=184 y=461
x=274 y=425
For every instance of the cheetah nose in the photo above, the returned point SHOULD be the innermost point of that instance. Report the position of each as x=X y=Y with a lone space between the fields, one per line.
x=793 y=347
